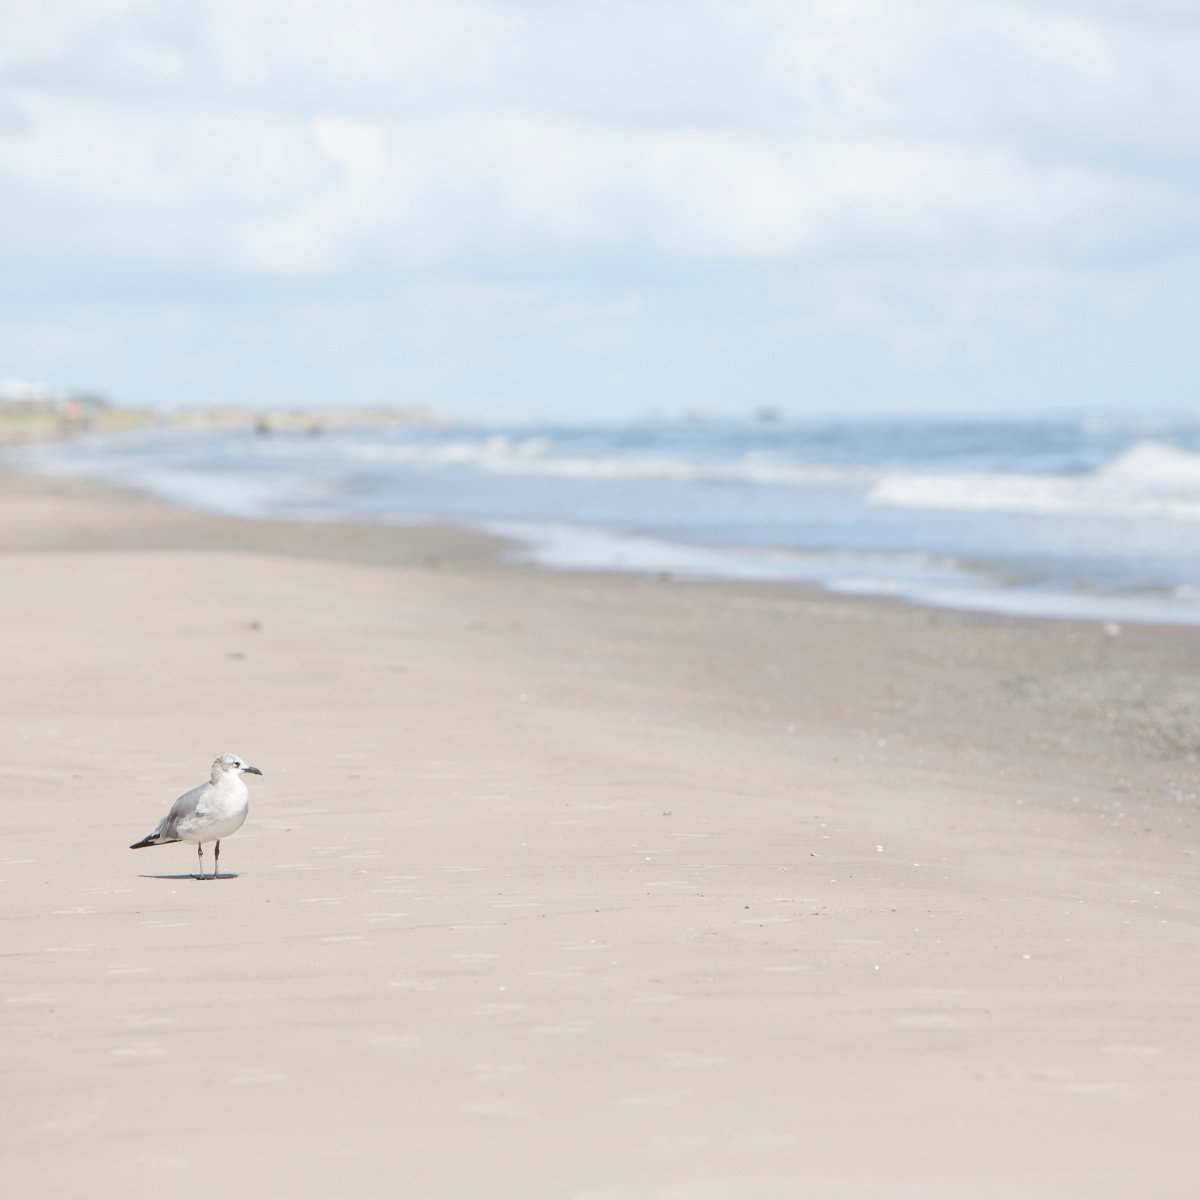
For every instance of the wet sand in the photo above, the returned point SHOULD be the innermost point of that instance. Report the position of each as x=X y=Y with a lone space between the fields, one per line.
x=578 y=885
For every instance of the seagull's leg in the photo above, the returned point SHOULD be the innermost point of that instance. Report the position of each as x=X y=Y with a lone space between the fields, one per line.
x=216 y=857
x=200 y=855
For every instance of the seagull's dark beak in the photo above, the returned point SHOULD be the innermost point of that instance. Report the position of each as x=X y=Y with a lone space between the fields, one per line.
x=251 y=771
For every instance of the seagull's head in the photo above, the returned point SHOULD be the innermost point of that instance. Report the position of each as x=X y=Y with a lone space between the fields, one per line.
x=230 y=764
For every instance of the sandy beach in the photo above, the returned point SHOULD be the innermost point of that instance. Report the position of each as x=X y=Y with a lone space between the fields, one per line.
x=582 y=886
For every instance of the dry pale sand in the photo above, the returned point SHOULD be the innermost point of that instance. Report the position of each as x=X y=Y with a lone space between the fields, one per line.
x=578 y=886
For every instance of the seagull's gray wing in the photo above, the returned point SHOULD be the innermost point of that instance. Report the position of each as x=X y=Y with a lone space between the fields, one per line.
x=186 y=806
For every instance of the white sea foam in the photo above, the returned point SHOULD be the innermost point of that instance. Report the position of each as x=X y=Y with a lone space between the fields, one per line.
x=235 y=494
x=1156 y=464
x=576 y=547
x=921 y=579
x=1150 y=479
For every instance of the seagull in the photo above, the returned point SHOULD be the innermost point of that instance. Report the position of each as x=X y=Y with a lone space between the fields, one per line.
x=207 y=813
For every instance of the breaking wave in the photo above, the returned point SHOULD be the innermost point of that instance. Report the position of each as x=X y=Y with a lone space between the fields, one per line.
x=1150 y=479
x=508 y=455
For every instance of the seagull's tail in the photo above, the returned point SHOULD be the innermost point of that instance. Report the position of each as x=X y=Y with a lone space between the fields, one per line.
x=152 y=840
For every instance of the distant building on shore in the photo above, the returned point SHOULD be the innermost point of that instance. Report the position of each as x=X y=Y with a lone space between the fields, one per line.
x=16 y=395
x=23 y=403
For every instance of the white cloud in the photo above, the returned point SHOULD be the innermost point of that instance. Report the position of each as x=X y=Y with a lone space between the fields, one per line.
x=135 y=160
x=966 y=165
x=497 y=186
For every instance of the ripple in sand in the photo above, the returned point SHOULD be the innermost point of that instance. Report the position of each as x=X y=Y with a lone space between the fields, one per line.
x=401 y=1042
x=156 y=1160
x=494 y=1072
x=687 y=1061
x=139 y=1050
x=255 y=1076
x=936 y=1021
x=564 y=1028
x=496 y=1108
x=1113 y=1089
x=667 y=1098
x=497 y=1009
x=69 y=1123
x=417 y=985
x=761 y=1139
x=145 y=1021
x=678 y=1145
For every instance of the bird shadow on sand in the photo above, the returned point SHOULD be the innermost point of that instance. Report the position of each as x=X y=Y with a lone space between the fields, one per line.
x=192 y=875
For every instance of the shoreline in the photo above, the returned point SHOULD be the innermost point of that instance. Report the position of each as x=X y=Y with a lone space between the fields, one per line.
x=580 y=884
x=949 y=582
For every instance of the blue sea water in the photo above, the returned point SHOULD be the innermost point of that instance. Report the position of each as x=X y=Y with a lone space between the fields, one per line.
x=1082 y=518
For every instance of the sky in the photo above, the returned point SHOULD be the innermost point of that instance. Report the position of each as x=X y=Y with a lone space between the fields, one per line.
x=601 y=208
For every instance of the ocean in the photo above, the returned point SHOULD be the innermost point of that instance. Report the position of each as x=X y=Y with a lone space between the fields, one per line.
x=1069 y=518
